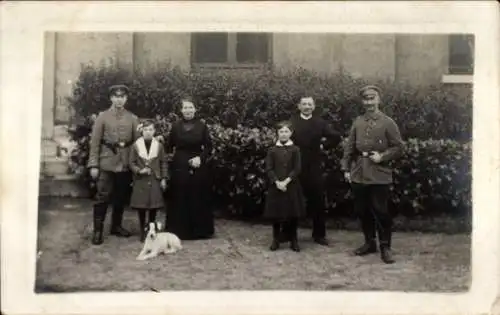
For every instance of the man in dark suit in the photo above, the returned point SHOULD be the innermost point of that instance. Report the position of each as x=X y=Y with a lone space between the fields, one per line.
x=309 y=130
x=113 y=133
x=374 y=140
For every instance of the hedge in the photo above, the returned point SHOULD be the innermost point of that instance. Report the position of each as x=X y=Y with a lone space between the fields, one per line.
x=261 y=98
x=432 y=178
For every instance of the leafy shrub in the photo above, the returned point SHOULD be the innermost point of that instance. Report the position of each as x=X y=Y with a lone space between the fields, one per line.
x=432 y=178
x=261 y=98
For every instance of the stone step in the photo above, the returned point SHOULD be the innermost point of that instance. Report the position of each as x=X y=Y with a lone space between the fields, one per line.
x=52 y=166
x=62 y=186
x=49 y=148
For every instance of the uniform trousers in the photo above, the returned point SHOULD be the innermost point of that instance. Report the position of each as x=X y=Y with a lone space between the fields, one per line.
x=112 y=188
x=371 y=205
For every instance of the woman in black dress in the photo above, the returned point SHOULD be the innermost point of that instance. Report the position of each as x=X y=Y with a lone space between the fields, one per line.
x=190 y=215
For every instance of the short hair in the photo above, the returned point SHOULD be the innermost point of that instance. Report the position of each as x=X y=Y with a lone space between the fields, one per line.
x=306 y=96
x=284 y=123
x=148 y=122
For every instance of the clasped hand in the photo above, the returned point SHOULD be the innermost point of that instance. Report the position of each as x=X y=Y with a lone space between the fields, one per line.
x=282 y=184
x=195 y=162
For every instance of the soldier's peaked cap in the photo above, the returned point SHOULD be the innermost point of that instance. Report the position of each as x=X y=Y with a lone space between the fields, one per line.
x=369 y=90
x=118 y=88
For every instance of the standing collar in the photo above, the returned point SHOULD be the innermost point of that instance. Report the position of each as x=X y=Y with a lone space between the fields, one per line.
x=305 y=117
x=288 y=143
x=372 y=116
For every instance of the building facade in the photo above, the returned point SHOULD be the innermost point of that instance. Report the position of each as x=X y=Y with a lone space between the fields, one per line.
x=411 y=58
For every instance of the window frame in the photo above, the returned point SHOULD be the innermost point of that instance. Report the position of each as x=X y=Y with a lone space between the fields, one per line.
x=453 y=69
x=231 y=55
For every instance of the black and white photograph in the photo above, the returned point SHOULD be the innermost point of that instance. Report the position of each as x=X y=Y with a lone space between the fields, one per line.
x=259 y=160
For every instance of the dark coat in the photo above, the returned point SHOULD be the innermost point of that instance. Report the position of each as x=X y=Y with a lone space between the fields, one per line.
x=147 y=192
x=284 y=161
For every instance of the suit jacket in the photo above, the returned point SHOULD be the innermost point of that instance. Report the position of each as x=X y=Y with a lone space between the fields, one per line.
x=116 y=127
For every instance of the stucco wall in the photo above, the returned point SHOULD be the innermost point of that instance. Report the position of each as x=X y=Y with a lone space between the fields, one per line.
x=151 y=49
x=371 y=56
x=74 y=49
x=421 y=59
x=318 y=52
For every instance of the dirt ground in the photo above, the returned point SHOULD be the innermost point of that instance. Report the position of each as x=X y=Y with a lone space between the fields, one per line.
x=238 y=259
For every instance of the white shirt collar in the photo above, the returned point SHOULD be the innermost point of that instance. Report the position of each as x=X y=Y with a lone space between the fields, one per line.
x=288 y=143
x=305 y=117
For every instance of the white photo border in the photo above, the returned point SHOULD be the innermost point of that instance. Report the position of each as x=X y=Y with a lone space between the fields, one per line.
x=23 y=27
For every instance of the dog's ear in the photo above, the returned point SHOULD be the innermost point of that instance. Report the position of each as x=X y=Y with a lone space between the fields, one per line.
x=158 y=226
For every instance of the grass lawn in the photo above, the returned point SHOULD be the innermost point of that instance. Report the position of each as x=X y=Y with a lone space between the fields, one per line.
x=237 y=259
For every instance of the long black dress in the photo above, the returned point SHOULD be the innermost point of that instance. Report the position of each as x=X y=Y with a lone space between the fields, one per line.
x=190 y=215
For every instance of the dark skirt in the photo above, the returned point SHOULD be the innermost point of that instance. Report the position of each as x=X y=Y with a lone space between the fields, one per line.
x=190 y=215
x=284 y=205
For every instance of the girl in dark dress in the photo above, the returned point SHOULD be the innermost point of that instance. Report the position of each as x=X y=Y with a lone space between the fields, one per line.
x=190 y=217
x=284 y=201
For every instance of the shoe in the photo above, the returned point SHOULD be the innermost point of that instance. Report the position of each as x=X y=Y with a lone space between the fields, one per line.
x=120 y=232
x=97 y=238
x=275 y=245
x=321 y=241
x=367 y=248
x=386 y=255
x=294 y=245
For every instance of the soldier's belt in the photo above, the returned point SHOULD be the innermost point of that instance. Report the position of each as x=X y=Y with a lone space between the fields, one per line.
x=114 y=146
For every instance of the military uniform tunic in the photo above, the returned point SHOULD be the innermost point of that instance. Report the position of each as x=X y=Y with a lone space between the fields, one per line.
x=113 y=126
x=372 y=132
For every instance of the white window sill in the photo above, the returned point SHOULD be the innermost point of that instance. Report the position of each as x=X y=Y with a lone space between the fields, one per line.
x=457 y=78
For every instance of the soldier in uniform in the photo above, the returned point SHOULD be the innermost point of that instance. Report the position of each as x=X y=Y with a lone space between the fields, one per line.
x=113 y=133
x=374 y=140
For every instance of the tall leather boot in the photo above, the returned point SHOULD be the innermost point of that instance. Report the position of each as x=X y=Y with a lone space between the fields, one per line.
x=99 y=217
x=116 y=223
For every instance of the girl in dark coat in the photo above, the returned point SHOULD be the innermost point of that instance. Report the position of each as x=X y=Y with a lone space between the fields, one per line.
x=149 y=167
x=284 y=201
x=190 y=217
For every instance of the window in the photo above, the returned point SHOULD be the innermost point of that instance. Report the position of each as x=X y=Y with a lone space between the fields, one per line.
x=231 y=49
x=461 y=54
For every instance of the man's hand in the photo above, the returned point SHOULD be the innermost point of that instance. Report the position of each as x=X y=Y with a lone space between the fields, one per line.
x=375 y=157
x=145 y=171
x=347 y=176
x=195 y=162
x=94 y=173
x=163 y=184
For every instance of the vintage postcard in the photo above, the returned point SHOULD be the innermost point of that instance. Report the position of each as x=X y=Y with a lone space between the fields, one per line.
x=250 y=157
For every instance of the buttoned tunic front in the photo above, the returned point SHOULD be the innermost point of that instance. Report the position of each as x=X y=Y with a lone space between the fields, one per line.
x=116 y=127
x=372 y=132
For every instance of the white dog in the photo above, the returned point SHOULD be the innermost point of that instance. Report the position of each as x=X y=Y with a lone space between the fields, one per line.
x=157 y=242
